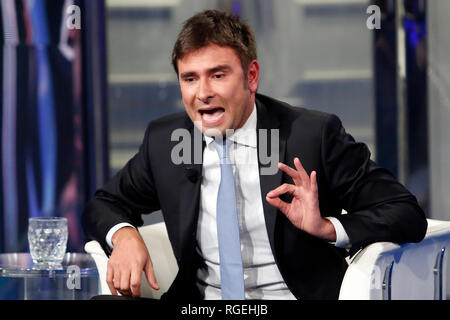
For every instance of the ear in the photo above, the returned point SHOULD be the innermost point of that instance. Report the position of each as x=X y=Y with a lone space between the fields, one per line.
x=253 y=76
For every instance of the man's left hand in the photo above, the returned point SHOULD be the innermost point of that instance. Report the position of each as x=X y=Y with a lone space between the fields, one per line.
x=303 y=211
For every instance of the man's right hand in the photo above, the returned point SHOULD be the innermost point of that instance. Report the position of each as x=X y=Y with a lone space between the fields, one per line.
x=128 y=259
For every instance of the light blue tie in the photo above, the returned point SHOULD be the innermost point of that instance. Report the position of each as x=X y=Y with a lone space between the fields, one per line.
x=231 y=271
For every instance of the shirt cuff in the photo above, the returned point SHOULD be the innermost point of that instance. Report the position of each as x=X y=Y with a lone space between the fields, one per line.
x=111 y=232
x=342 y=239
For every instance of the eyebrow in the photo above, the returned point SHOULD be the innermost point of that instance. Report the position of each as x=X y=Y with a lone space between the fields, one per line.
x=187 y=74
x=215 y=69
x=223 y=67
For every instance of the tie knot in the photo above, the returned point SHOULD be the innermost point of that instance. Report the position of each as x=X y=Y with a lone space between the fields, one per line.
x=222 y=148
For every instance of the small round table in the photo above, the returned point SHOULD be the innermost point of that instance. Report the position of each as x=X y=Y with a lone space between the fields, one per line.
x=75 y=279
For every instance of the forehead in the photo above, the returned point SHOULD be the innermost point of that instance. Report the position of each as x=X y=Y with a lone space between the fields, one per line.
x=207 y=58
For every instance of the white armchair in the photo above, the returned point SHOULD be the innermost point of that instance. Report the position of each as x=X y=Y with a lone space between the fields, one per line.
x=382 y=270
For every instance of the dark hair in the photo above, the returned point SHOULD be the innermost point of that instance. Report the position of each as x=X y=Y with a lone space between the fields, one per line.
x=215 y=27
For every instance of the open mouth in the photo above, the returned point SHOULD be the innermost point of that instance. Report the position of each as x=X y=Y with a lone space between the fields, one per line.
x=212 y=114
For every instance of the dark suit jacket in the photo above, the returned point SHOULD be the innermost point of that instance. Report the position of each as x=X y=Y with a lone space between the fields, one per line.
x=379 y=208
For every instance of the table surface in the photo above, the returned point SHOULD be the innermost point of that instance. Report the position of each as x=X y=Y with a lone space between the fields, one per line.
x=21 y=265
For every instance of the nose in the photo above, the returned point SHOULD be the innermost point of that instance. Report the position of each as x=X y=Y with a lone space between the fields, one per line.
x=205 y=92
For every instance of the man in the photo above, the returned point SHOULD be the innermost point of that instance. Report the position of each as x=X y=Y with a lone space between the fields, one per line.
x=289 y=224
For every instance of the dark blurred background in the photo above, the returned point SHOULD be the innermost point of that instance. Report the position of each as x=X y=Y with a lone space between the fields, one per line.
x=75 y=99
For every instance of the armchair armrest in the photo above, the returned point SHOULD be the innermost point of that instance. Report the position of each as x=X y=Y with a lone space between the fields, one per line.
x=387 y=271
x=164 y=262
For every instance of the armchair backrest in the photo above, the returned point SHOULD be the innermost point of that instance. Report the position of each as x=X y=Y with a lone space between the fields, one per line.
x=164 y=263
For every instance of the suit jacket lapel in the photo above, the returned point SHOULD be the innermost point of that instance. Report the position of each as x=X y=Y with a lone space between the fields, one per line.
x=268 y=120
x=190 y=194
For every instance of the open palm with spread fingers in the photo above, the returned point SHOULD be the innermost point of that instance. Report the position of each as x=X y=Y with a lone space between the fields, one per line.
x=303 y=211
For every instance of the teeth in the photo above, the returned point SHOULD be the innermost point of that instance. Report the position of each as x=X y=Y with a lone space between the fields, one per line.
x=212 y=118
x=215 y=118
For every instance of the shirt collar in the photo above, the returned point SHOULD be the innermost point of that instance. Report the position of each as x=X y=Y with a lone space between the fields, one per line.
x=246 y=135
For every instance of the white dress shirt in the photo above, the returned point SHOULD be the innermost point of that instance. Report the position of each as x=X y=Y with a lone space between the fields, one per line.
x=262 y=278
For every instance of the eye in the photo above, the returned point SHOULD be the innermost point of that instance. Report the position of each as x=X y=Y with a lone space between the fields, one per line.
x=219 y=75
x=189 y=79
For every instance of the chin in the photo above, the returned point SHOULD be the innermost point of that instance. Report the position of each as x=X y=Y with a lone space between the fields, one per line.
x=213 y=131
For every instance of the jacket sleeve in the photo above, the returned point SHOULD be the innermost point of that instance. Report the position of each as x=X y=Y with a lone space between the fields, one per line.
x=124 y=198
x=378 y=207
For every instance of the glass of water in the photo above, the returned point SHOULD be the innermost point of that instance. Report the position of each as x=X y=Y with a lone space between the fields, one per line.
x=47 y=238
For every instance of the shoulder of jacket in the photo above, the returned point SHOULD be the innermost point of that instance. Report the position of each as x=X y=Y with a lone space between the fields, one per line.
x=293 y=113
